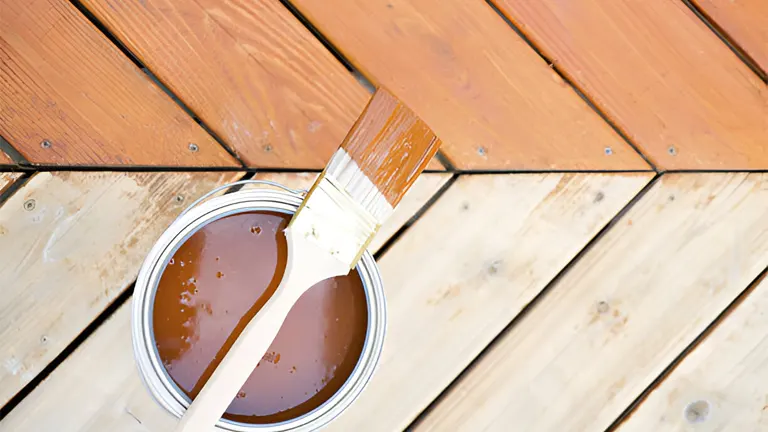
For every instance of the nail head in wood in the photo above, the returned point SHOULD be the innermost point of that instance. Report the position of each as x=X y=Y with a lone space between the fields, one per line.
x=672 y=150
x=193 y=147
x=29 y=205
x=608 y=151
x=45 y=144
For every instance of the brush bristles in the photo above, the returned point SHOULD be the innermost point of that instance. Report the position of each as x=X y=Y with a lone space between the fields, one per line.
x=342 y=211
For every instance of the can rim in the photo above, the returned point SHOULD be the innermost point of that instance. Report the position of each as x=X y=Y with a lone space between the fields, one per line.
x=154 y=375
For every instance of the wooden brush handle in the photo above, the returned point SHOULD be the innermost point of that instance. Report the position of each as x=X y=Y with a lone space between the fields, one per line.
x=306 y=266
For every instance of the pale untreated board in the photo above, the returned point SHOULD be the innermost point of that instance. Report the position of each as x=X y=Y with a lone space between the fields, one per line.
x=6 y=179
x=64 y=82
x=452 y=282
x=425 y=187
x=70 y=242
x=745 y=22
x=721 y=385
x=491 y=99
x=622 y=313
x=250 y=70
x=677 y=91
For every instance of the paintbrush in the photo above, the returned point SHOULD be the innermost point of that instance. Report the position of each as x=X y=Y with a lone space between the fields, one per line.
x=380 y=158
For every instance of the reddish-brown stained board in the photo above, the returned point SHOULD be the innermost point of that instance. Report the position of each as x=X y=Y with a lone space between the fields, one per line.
x=491 y=99
x=5 y=159
x=660 y=74
x=249 y=70
x=69 y=96
x=745 y=22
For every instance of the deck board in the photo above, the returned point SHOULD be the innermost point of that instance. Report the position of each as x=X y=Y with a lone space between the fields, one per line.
x=745 y=22
x=622 y=313
x=64 y=82
x=249 y=70
x=113 y=397
x=720 y=386
x=6 y=179
x=69 y=256
x=423 y=189
x=675 y=89
x=491 y=99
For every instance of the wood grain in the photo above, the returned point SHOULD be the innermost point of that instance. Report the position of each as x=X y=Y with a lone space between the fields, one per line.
x=720 y=386
x=425 y=187
x=6 y=179
x=489 y=97
x=63 y=82
x=622 y=313
x=113 y=396
x=391 y=145
x=744 y=21
x=679 y=93
x=81 y=243
x=249 y=70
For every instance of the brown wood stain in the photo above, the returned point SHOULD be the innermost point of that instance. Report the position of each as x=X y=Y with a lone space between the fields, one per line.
x=217 y=281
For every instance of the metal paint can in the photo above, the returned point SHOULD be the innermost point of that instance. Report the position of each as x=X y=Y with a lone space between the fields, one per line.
x=204 y=211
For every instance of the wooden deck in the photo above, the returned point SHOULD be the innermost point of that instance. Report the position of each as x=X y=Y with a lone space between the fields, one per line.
x=587 y=252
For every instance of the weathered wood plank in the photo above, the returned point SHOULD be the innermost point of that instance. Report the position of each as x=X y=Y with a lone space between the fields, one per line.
x=660 y=74
x=70 y=242
x=456 y=278
x=6 y=179
x=63 y=82
x=745 y=22
x=720 y=386
x=252 y=72
x=425 y=187
x=622 y=313
x=491 y=99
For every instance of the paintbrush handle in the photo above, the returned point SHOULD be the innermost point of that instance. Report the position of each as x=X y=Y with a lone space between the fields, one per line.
x=306 y=265
x=238 y=364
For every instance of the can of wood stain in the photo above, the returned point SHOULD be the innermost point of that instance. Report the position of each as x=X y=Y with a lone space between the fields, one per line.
x=207 y=210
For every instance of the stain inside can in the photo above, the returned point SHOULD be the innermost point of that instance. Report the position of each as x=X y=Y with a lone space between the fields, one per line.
x=217 y=281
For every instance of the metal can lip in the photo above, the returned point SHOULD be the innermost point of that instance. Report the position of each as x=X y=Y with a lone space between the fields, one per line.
x=154 y=375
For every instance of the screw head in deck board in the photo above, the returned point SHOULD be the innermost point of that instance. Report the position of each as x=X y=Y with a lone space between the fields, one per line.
x=66 y=114
x=473 y=80
x=193 y=147
x=29 y=205
x=259 y=75
x=88 y=232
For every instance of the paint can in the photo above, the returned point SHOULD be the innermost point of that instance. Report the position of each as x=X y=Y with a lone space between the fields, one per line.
x=205 y=210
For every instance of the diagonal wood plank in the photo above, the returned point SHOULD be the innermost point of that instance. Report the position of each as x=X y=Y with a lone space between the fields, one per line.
x=425 y=187
x=660 y=74
x=622 y=313
x=5 y=159
x=249 y=70
x=744 y=21
x=114 y=398
x=492 y=100
x=70 y=242
x=68 y=96
x=720 y=386
x=6 y=179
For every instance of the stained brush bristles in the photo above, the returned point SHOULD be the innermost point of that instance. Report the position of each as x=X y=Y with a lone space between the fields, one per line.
x=381 y=157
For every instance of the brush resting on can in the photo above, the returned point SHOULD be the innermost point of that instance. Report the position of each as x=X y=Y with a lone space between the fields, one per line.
x=380 y=158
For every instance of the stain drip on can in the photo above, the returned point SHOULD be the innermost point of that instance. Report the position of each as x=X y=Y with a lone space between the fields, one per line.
x=217 y=281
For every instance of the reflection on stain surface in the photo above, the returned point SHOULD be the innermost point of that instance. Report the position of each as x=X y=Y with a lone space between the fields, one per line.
x=217 y=280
